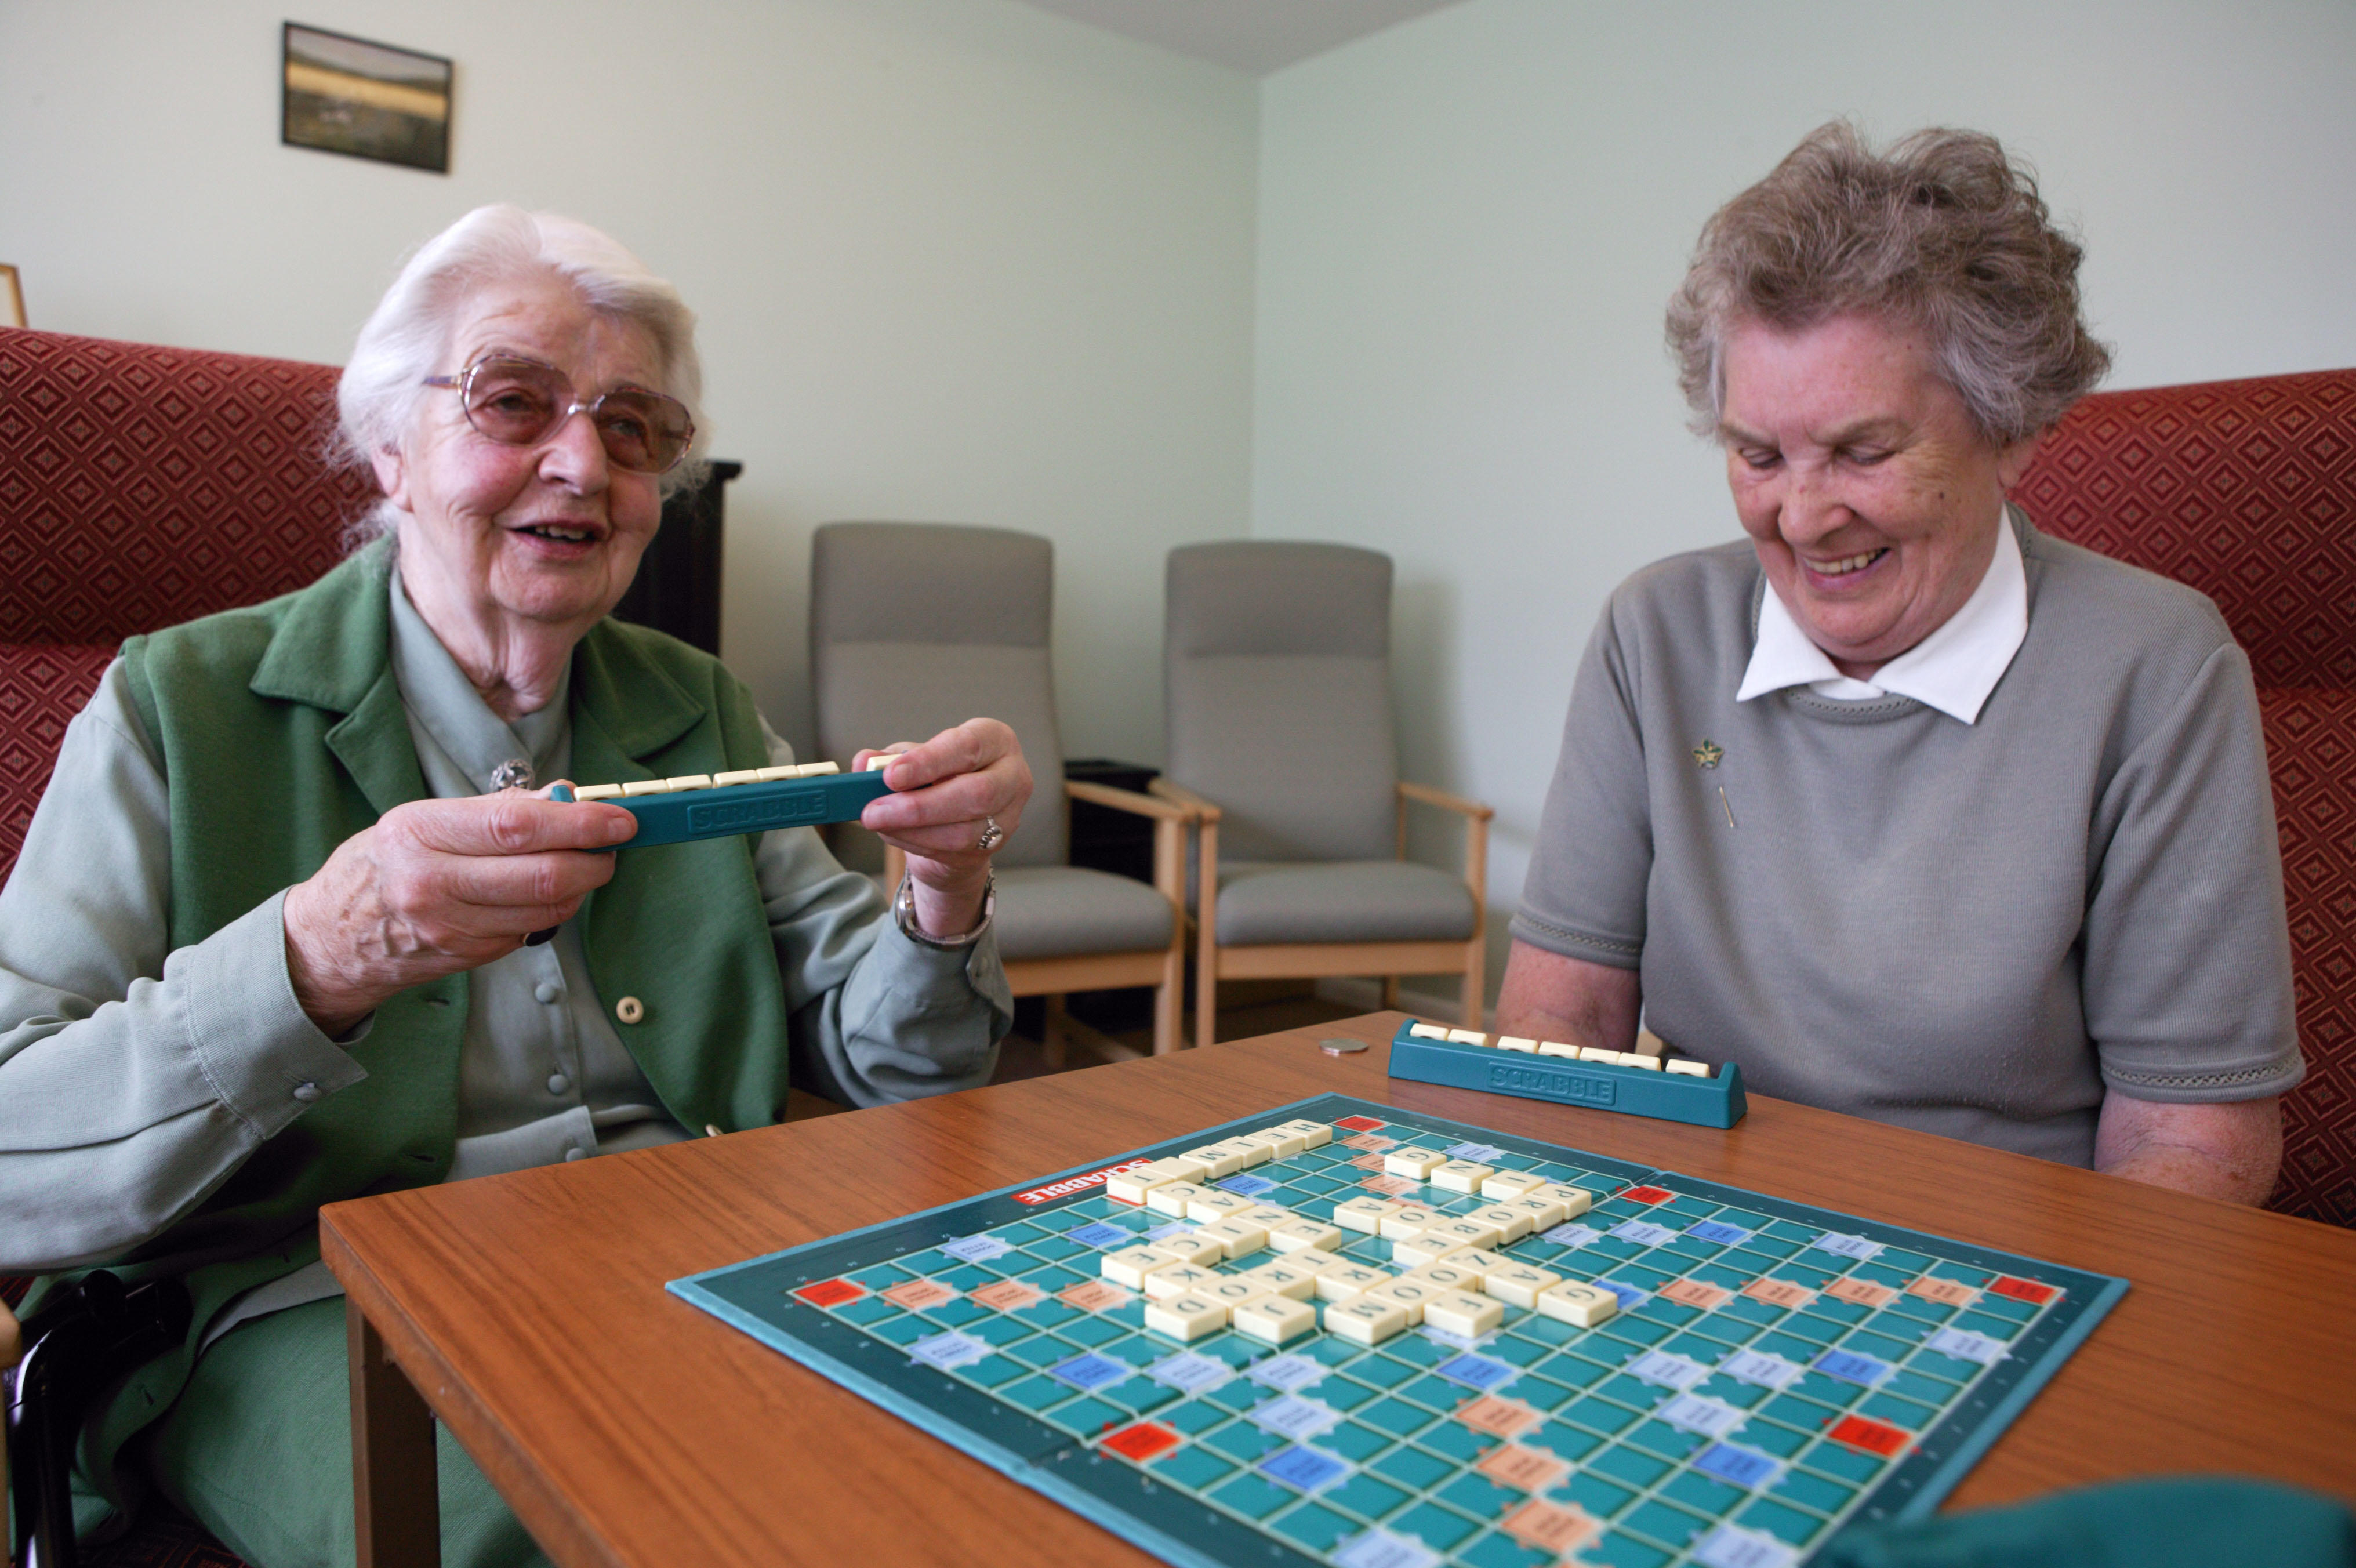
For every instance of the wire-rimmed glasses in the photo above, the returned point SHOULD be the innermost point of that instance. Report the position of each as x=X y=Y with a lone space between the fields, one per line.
x=522 y=403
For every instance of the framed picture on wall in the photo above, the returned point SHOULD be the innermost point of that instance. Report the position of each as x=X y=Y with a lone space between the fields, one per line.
x=364 y=100
x=12 y=297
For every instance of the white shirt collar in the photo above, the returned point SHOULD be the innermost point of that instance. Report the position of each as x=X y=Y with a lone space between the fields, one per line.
x=1953 y=669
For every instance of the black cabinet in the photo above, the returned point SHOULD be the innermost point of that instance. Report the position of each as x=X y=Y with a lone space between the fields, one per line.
x=1102 y=838
x=1122 y=844
x=678 y=586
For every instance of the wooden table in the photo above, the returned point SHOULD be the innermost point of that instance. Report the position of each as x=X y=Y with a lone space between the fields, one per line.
x=627 y=1427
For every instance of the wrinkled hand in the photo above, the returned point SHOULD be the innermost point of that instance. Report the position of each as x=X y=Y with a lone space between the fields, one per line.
x=944 y=791
x=440 y=887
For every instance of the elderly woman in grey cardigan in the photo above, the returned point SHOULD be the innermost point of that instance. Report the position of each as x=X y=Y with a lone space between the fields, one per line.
x=282 y=930
x=1916 y=813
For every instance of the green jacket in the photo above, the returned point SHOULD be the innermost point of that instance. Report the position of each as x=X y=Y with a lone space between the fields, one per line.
x=283 y=734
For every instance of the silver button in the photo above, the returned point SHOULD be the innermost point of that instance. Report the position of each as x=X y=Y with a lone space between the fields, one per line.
x=306 y=1092
x=575 y=1154
x=545 y=993
x=558 y=1083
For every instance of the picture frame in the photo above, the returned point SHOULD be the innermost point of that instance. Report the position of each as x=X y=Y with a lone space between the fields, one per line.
x=364 y=100
x=12 y=297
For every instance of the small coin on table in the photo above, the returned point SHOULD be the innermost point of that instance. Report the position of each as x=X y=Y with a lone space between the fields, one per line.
x=1337 y=1047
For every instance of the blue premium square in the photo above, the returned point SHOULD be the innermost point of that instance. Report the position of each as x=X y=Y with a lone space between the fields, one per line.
x=1852 y=1368
x=1303 y=1468
x=1089 y=1372
x=1737 y=1467
x=1480 y=1373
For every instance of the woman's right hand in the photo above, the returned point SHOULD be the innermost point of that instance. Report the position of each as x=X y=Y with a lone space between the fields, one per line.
x=437 y=887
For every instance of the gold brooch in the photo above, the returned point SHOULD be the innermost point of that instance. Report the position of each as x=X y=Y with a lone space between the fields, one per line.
x=1708 y=754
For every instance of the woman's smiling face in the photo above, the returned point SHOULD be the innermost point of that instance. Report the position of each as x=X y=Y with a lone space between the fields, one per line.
x=1871 y=496
x=549 y=534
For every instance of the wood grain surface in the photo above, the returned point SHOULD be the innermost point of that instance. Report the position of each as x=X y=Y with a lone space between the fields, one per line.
x=628 y=1427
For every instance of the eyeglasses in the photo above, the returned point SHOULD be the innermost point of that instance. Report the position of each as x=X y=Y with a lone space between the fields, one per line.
x=522 y=403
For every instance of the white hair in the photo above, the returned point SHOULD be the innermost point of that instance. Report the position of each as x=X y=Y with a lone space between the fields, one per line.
x=409 y=332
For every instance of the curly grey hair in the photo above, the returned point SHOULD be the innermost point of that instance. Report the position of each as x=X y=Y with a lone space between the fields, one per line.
x=409 y=332
x=1942 y=231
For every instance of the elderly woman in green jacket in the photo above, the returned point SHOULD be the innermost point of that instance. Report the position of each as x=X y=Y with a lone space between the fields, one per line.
x=277 y=936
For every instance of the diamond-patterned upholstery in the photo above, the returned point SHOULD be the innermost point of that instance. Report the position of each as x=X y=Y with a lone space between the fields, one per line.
x=141 y=487
x=42 y=685
x=2248 y=491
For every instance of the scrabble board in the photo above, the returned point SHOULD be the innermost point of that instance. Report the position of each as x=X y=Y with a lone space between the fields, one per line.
x=1713 y=1377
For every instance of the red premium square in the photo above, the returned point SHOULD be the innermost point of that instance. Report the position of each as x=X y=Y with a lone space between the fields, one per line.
x=1360 y=1123
x=1647 y=1195
x=2023 y=1290
x=830 y=1293
x=1145 y=1441
x=1873 y=1436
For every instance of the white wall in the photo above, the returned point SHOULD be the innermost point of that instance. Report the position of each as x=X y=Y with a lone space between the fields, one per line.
x=1470 y=226
x=962 y=260
x=957 y=260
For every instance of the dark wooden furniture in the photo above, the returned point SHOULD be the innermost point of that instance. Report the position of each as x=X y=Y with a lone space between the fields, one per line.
x=1122 y=844
x=1104 y=838
x=677 y=589
x=527 y=1312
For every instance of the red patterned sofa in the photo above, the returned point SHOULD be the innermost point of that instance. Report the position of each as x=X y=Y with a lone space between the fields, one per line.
x=2248 y=491
x=140 y=487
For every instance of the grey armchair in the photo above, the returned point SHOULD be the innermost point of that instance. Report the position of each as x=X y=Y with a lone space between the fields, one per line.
x=1276 y=666
x=918 y=626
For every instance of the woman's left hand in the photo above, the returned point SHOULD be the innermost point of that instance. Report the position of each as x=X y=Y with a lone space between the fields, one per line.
x=947 y=793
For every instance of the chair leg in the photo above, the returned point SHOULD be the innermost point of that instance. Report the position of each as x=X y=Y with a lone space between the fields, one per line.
x=1170 y=999
x=1207 y=935
x=1051 y=1032
x=1476 y=979
x=1206 y=995
x=1390 y=994
x=1170 y=881
x=1476 y=952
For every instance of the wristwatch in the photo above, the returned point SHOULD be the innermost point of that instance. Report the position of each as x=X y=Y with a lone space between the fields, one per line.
x=903 y=911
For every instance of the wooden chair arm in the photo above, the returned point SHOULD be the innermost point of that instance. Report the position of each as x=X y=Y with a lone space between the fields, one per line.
x=1128 y=801
x=1178 y=794
x=1476 y=834
x=1446 y=801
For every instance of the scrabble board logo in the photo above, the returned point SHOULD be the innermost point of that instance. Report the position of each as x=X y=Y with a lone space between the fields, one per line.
x=1070 y=1184
x=725 y=816
x=1586 y=1088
